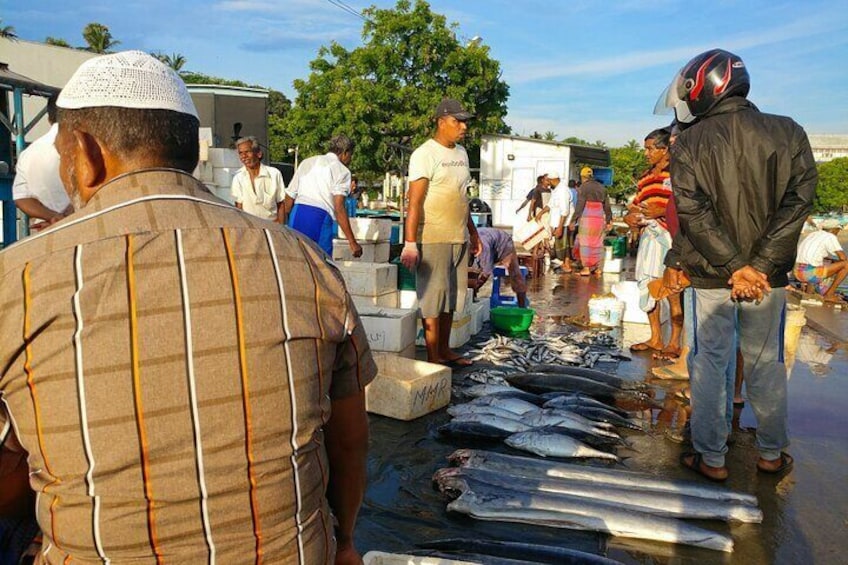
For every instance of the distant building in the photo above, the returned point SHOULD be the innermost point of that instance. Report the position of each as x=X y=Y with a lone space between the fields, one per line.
x=827 y=147
x=232 y=112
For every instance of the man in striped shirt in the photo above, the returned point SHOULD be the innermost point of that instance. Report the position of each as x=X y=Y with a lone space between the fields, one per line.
x=186 y=380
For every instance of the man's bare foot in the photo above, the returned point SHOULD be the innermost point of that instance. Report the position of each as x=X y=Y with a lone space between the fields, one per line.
x=668 y=353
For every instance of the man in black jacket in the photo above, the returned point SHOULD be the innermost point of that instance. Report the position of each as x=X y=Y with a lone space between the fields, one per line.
x=744 y=182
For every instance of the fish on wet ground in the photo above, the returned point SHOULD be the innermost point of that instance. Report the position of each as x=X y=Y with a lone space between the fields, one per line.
x=566 y=399
x=502 y=423
x=587 y=373
x=550 y=443
x=537 y=553
x=543 y=383
x=515 y=405
x=486 y=502
x=537 y=468
x=473 y=431
x=654 y=502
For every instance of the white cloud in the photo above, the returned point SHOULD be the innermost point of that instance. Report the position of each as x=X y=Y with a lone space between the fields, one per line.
x=816 y=27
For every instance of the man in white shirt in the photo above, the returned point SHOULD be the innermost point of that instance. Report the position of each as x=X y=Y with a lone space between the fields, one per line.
x=562 y=210
x=257 y=189
x=810 y=265
x=37 y=190
x=317 y=193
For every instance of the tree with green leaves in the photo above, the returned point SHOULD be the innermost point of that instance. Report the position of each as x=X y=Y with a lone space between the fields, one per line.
x=628 y=164
x=550 y=136
x=176 y=61
x=7 y=31
x=57 y=41
x=386 y=90
x=832 y=190
x=98 y=38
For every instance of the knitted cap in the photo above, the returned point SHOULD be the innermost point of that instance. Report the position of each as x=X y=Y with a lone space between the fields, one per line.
x=129 y=79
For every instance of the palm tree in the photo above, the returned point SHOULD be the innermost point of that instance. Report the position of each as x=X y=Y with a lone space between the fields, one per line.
x=550 y=136
x=633 y=144
x=7 y=31
x=175 y=60
x=57 y=41
x=98 y=37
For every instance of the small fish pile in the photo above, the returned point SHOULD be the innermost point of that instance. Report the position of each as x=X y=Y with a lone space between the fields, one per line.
x=494 y=486
x=520 y=354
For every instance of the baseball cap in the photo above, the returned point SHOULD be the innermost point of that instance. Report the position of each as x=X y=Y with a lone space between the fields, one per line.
x=552 y=174
x=129 y=79
x=451 y=107
x=587 y=172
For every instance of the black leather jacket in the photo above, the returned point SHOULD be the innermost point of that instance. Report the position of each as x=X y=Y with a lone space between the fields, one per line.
x=744 y=183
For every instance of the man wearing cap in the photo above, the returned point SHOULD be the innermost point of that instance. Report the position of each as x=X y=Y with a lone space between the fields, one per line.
x=822 y=262
x=256 y=188
x=182 y=393
x=37 y=188
x=593 y=215
x=439 y=227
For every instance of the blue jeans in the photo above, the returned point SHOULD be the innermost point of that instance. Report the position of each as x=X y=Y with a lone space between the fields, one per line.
x=760 y=337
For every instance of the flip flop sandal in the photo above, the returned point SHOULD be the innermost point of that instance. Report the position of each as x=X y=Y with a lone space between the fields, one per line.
x=696 y=465
x=786 y=463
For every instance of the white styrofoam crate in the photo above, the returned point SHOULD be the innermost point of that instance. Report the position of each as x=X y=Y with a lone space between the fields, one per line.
x=385 y=300
x=612 y=266
x=369 y=229
x=406 y=389
x=368 y=279
x=204 y=172
x=223 y=157
x=372 y=252
x=222 y=193
x=479 y=315
x=223 y=176
x=408 y=299
x=460 y=331
x=388 y=329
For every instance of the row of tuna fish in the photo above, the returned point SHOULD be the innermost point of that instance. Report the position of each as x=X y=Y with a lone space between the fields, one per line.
x=546 y=399
x=506 y=488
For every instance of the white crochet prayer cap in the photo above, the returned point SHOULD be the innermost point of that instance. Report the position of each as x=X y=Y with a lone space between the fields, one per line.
x=129 y=79
x=829 y=224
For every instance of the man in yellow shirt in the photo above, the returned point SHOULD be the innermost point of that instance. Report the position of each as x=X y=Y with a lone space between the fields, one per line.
x=439 y=228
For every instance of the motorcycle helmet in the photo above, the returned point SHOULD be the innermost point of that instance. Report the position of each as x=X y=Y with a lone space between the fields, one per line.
x=702 y=83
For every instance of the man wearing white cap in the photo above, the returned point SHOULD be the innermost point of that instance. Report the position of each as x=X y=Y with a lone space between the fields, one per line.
x=822 y=262
x=180 y=393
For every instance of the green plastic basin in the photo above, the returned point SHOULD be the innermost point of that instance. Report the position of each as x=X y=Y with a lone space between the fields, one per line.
x=511 y=318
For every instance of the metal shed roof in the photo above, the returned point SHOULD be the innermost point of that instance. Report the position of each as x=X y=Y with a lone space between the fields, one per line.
x=590 y=155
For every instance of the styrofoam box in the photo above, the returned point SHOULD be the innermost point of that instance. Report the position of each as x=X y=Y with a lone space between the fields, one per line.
x=369 y=279
x=204 y=172
x=406 y=389
x=222 y=193
x=223 y=157
x=479 y=315
x=372 y=252
x=628 y=292
x=369 y=229
x=388 y=329
x=460 y=331
x=385 y=300
x=612 y=266
x=223 y=176
x=408 y=299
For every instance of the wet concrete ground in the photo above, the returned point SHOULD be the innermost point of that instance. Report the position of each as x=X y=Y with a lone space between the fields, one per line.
x=806 y=511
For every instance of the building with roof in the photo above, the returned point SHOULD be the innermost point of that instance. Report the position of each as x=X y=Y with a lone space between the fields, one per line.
x=827 y=147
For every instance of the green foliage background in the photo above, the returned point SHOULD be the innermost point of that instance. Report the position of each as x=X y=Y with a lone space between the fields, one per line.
x=832 y=191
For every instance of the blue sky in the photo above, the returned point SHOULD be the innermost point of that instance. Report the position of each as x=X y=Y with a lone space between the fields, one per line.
x=588 y=68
